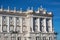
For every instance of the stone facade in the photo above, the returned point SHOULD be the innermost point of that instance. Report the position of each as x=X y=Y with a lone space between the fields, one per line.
x=27 y=25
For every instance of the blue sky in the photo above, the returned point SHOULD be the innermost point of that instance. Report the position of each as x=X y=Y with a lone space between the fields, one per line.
x=49 y=5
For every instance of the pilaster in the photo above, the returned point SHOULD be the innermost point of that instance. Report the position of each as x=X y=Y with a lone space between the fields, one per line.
x=32 y=24
x=44 y=25
x=39 y=24
x=7 y=23
x=21 y=24
x=14 y=23
x=50 y=21
x=0 y=23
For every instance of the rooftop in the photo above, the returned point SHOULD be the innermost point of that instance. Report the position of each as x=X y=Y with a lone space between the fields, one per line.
x=40 y=12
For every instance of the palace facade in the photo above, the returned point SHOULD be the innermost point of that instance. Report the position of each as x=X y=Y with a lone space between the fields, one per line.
x=26 y=25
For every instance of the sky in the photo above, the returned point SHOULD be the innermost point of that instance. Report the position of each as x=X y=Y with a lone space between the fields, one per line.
x=49 y=5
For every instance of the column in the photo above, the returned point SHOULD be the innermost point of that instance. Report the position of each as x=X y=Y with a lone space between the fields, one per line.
x=21 y=24
x=1 y=22
x=44 y=25
x=50 y=21
x=32 y=24
x=14 y=24
x=39 y=24
x=7 y=23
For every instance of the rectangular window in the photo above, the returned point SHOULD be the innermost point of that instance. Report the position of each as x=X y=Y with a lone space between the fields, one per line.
x=50 y=38
x=23 y=21
x=11 y=20
x=4 y=28
x=11 y=28
x=44 y=38
x=0 y=37
x=19 y=38
x=5 y=38
x=13 y=38
x=4 y=20
x=37 y=38
x=18 y=28
x=17 y=21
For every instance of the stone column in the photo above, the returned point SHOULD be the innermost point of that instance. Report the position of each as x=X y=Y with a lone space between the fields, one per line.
x=21 y=24
x=50 y=22
x=39 y=24
x=7 y=23
x=44 y=24
x=14 y=24
x=1 y=23
x=32 y=24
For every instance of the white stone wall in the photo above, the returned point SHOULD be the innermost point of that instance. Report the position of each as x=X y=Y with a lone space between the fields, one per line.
x=29 y=33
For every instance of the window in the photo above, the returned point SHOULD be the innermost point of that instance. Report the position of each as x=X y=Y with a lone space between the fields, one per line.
x=0 y=37
x=4 y=19
x=41 y=24
x=35 y=20
x=47 y=25
x=18 y=28
x=30 y=29
x=5 y=38
x=19 y=38
x=13 y=38
x=17 y=21
x=23 y=21
x=4 y=28
x=50 y=38
x=25 y=38
x=36 y=28
x=37 y=38
x=11 y=20
x=24 y=28
x=44 y=38
x=11 y=28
